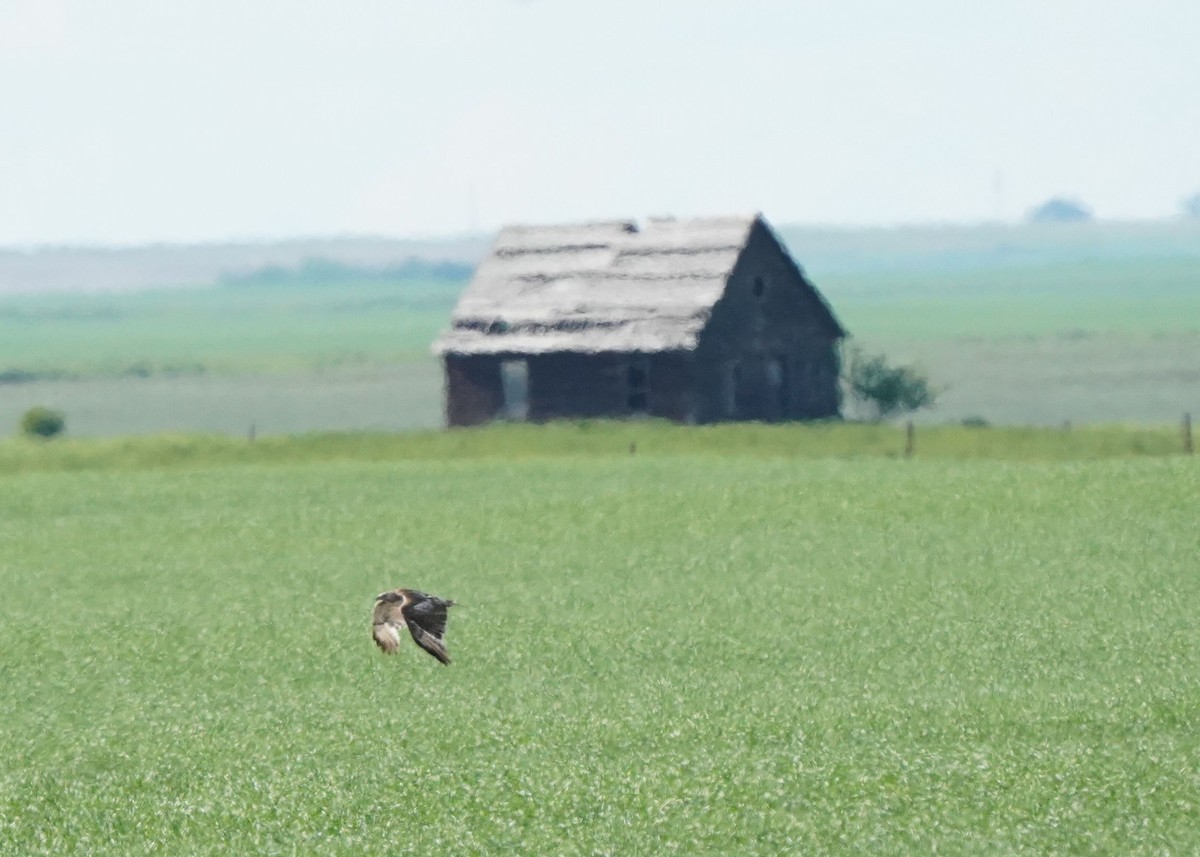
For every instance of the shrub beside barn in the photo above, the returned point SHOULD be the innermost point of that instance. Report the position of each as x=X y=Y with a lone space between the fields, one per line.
x=695 y=321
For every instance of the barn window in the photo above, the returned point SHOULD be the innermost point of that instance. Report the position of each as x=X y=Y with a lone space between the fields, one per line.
x=760 y=287
x=514 y=384
x=637 y=385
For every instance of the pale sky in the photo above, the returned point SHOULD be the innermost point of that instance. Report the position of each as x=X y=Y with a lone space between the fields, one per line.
x=131 y=121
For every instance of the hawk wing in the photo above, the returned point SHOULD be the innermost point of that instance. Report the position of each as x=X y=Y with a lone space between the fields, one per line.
x=426 y=618
x=430 y=643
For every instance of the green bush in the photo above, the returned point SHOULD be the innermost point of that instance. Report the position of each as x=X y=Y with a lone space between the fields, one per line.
x=888 y=390
x=42 y=422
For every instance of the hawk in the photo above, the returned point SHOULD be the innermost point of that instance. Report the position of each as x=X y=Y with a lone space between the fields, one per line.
x=423 y=615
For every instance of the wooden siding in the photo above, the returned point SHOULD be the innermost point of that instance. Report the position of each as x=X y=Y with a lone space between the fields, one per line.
x=567 y=385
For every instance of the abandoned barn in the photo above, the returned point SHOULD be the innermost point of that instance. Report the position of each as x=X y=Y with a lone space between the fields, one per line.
x=690 y=320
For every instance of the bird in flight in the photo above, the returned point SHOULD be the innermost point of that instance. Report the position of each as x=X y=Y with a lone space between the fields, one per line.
x=423 y=615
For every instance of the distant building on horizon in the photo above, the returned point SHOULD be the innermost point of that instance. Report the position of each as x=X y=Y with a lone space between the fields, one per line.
x=697 y=321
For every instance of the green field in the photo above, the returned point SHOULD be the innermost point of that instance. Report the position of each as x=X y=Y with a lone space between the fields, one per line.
x=1079 y=299
x=225 y=328
x=589 y=438
x=751 y=639
x=668 y=652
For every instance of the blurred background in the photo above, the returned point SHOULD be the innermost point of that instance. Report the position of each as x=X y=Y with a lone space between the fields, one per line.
x=240 y=217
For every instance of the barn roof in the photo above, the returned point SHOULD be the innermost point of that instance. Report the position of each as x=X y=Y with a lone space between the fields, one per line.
x=601 y=286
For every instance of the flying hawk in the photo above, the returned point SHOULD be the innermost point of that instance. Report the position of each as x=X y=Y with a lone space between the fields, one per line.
x=423 y=615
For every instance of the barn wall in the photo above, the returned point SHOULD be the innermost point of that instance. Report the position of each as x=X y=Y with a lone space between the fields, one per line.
x=474 y=393
x=582 y=386
x=672 y=381
x=574 y=385
x=768 y=351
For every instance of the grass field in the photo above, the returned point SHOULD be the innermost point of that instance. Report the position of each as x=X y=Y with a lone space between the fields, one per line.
x=659 y=653
x=613 y=438
x=1138 y=297
x=399 y=397
x=226 y=328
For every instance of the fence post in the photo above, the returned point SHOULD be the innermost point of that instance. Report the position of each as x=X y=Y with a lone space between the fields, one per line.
x=1187 y=434
x=910 y=440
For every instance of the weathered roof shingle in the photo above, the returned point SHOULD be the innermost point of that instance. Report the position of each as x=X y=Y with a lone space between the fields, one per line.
x=604 y=286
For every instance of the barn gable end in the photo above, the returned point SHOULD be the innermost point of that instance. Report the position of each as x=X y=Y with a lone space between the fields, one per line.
x=690 y=320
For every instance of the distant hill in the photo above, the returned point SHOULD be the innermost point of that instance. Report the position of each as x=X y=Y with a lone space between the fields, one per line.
x=930 y=249
x=98 y=269
x=821 y=252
